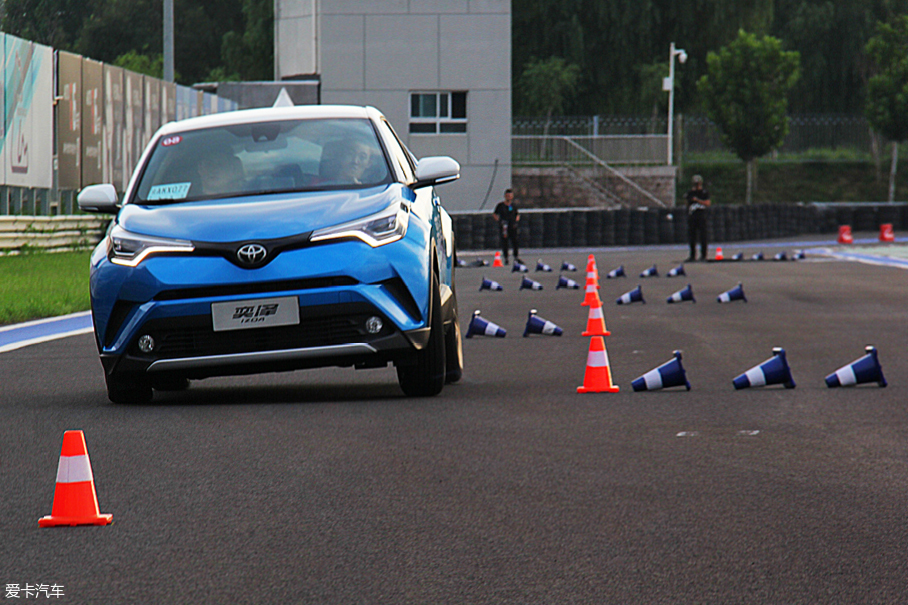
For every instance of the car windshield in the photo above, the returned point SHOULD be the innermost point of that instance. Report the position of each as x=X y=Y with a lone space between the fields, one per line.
x=264 y=157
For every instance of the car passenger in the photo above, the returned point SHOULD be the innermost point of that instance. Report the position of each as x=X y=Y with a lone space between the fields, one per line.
x=344 y=162
x=220 y=173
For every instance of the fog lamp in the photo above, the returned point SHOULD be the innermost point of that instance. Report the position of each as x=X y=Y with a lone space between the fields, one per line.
x=374 y=325
x=146 y=343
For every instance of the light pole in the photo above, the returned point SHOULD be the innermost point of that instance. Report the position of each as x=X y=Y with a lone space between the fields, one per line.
x=668 y=84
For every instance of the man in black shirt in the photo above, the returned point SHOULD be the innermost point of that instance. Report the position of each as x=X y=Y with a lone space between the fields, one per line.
x=697 y=203
x=508 y=218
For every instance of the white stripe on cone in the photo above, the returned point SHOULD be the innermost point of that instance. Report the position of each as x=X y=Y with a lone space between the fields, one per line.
x=846 y=376
x=597 y=359
x=653 y=380
x=74 y=469
x=491 y=329
x=756 y=377
x=548 y=328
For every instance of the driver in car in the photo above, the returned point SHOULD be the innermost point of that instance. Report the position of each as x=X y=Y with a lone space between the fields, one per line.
x=344 y=162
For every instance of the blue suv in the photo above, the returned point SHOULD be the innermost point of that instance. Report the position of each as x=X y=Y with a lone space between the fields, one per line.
x=273 y=240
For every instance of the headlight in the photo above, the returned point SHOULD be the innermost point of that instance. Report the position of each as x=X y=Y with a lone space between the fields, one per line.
x=379 y=229
x=130 y=249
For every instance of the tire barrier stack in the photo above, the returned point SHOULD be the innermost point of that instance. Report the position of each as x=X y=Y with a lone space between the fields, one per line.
x=593 y=227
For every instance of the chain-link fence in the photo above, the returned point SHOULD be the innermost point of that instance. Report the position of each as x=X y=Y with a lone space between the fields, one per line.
x=810 y=136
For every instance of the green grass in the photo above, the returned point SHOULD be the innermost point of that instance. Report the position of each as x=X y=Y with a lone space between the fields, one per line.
x=43 y=285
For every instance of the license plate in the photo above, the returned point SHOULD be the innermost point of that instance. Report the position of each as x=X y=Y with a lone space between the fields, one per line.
x=259 y=313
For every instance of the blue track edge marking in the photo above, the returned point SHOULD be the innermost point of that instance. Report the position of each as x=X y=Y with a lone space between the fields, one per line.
x=42 y=330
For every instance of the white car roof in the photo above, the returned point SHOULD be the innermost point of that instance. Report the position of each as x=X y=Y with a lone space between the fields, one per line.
x=270 y=114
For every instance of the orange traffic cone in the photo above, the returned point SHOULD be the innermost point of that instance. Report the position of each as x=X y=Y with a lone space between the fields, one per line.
x=719 y=255
x=598 y=377
x=845 y=236
x=591 y=266
x=591 y=298
x=886 y=233
x=595 y=324
x=497 y=262
x=75 y=500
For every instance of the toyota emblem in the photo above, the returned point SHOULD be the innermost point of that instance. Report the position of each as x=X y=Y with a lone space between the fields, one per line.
x=251 y=254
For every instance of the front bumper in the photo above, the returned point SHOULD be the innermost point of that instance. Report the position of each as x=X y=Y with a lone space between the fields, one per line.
x=170 y=299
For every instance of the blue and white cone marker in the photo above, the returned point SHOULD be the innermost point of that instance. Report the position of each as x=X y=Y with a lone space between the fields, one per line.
x=859 y=371
x=635 y=295
x=736 y=293
x=774 y=370
x=480 y=263
x=651 y=272
x=488 y=284
x=566 y=266
x=460 y=263
x=564 y=282
x=619 y=272
x=519 y=268
x=528 y=284
x=483 y=327
x=538 y=325
x=757 y=256
x=541 y=266
x=738 y=256
x=679 y=270
x=799 y=255
x=669 y=374
x=686 y=293
x=780 y=256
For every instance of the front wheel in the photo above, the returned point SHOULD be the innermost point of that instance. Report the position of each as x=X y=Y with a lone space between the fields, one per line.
x=129 y=390
x=453 y=350
x=426 y=377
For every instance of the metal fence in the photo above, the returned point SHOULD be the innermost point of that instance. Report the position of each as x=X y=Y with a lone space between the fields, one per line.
x=824 y=136
x=588 y=158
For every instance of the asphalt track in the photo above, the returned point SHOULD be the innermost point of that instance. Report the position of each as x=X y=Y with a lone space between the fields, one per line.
x=330 y=487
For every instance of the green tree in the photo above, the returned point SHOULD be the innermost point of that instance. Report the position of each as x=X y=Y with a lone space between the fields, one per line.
x=887 y=90
x=116 y=27
x=143 y=64
x=55 y=23
x=745 y=92
x=249 y=54
x=544 y=87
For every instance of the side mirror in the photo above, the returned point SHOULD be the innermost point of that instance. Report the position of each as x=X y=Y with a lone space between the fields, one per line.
x=436 y=170
x=98 y=198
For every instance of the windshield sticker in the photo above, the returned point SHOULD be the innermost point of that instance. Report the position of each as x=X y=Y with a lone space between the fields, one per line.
x=173 y=191
x=171 y=140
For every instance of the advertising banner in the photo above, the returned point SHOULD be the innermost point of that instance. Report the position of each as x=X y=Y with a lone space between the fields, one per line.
x=113 y=161
x=152 y=107
x=28 y=143
x=135 y=120
x=168 y=102
x=69 y=120
x=185 y=98
x=92 y=122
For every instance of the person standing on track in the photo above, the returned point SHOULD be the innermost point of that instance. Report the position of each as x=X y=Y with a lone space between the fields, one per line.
x=697 y=204
x=508 y=218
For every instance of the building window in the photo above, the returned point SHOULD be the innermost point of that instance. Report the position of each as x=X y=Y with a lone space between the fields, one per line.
x=438 y=112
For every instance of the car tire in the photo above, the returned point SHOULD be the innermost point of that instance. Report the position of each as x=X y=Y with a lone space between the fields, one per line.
x=453 y=349
x=426 y=377
x=129 y=391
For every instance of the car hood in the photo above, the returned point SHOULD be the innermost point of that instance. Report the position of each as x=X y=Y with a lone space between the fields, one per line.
x=257 y=217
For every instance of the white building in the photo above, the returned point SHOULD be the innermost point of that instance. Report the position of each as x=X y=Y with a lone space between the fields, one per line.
x=440 y=70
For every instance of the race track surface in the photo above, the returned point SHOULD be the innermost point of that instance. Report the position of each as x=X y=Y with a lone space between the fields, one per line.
x=329 y=486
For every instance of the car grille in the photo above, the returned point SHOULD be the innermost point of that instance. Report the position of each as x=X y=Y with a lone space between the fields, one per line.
x=194 y=337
